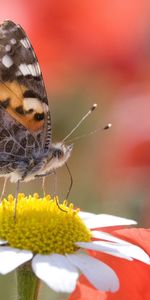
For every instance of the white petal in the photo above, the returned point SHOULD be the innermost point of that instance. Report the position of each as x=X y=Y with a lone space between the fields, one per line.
x=106 y=236
x=2 y=242
x=99 y=274
x=124 y=246
x=128 y=250
x=85 y=215
x=56 y=271
x=133 y=251
x=107 y=248
x=11 y=258
x=106 y=221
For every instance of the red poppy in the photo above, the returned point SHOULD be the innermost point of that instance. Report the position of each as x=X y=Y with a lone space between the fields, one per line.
x=133 y=275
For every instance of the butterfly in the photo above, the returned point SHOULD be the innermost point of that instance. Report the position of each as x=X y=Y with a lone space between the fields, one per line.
x=26 y=148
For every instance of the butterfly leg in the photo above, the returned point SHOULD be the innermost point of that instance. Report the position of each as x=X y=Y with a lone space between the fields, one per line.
x=43 y=176
x=55 y=182
x=55 y=185
x=3 y=190
x=16 y=200
x=56 y=192
x=43 y=185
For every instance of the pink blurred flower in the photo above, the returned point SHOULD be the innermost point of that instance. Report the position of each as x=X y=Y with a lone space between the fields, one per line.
x=76 y=36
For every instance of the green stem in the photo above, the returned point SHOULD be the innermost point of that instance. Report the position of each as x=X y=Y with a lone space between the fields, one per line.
x=27 y=283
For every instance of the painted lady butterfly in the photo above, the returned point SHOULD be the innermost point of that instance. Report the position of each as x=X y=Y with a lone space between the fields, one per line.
x=26 y=149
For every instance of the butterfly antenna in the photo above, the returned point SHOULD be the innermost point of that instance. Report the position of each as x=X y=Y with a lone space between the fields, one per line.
x=106 y=127
x=80 y=122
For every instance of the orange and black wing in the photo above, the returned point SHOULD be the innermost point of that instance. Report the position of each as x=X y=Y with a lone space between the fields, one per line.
x=22 y=90
x=25 y=125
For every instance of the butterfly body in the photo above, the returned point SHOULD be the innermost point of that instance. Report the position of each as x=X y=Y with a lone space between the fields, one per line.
x=26 y=148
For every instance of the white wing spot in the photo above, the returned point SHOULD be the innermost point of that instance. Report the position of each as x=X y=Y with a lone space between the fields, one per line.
x=23 y=69
x=8 y=48
x=18 y=73
x=35 y=104
x=13 y=41
x=34 y=69
x=25 y=43
x=7 y=61
x=37 y=67
x=31 y=69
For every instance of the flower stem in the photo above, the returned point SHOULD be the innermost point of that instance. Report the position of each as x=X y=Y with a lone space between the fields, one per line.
x=27 y=283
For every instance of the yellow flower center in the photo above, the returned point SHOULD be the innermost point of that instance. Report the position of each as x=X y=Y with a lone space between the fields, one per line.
x=41 y=226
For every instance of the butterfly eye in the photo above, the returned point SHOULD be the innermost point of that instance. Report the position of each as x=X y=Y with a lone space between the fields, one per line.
x=58 y=153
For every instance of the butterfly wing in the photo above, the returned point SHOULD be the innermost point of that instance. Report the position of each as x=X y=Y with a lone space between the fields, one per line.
x=17 y=146
x=25 y=125
x=22 y=90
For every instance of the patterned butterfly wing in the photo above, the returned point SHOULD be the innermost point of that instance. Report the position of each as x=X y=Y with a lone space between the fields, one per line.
x=25 y=125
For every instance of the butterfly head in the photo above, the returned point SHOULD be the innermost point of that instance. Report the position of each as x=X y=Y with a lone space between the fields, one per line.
x=60 y=154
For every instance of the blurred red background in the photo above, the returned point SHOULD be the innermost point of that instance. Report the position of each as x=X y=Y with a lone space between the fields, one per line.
x=97 y=51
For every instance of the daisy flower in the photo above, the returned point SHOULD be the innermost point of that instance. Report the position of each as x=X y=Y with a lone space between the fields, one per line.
x=52 y=242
